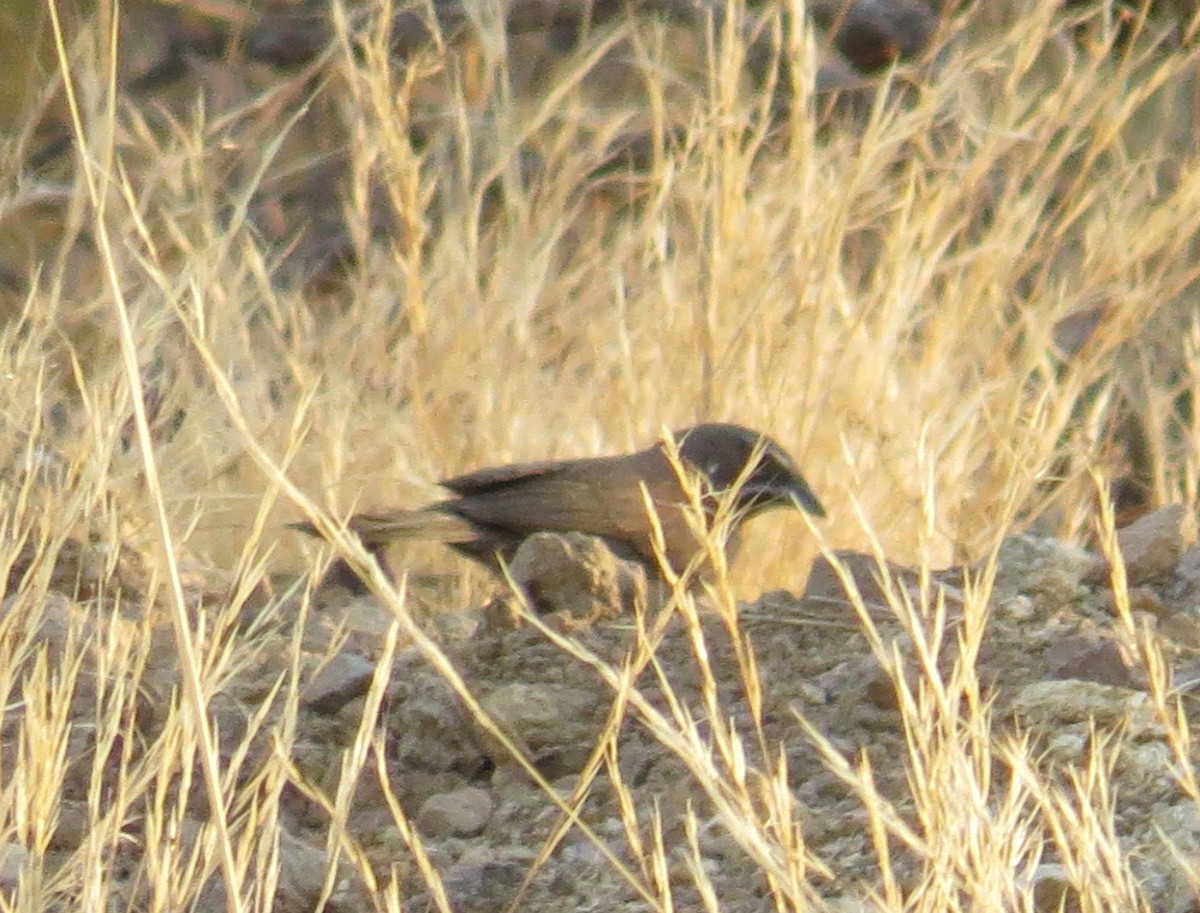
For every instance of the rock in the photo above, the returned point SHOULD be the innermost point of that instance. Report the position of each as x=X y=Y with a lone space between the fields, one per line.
x=1150 y=546
x=49 y=623
x=1076 y=330
x=345 y=677
x=824 y=583
x=577 y=575
x=1049 y=572
x=302 y=871
x=367 y=621
x=1053 y=705
x=1070 y=714
x=1144 y=600
x=13 y=859
x=1187 y=573
x=72 y=826
x=842 y=91
x=484 y=882
x=874 y=34
x=1182 y=630
x=1178 y=825
x=1016 y=608
x=461 y=813
x=555 y=725
x=230 y=720
x=862 y=678
x=429 y=729
x=850 y=904
x=1052 y=889
x=1088 y=659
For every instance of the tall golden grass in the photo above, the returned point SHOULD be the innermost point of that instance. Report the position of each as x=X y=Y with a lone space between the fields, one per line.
x=879 y=292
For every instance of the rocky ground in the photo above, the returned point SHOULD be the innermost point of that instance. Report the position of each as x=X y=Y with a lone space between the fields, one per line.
x=806 y=680
x=1055 y=660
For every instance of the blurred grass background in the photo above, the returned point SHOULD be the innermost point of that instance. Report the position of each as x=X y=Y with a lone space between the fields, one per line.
x=433 y=251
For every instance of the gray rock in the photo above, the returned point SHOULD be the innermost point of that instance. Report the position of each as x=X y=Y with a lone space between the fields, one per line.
x=1178 y=826
x=825 y=583
x=1049 y=572
x=578 y=575
x=1069 y=713
x=302 y=871
x=430 y=729
x=556 y=725
x=345 y=677
x=1093 y=660
x=1150 y=546
x=461 y=813
x=1185 y=588
x=1052 y=889
x=13 y=859
x=484 y=882
x=1069 y=702
x=72 y=825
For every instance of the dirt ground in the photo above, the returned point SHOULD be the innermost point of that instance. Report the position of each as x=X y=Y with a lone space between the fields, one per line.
x=1057 y=664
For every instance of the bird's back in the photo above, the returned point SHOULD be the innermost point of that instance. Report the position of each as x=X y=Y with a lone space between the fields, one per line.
x=600 y=496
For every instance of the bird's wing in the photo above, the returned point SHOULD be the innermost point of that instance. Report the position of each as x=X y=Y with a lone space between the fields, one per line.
x=571 y=497
x=482 y=481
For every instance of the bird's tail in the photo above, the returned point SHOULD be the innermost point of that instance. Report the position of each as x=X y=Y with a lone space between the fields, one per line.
x=381 y=528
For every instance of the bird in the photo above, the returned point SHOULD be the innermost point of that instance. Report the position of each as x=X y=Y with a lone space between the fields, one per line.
x=493 y=510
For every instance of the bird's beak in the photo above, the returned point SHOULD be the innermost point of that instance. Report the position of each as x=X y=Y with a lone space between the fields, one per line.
x=795 y=491
x=802 y=496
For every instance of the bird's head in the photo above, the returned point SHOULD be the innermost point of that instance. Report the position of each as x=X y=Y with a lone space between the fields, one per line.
x=722 y=453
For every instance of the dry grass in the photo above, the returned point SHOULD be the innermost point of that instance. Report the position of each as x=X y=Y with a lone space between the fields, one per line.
x=881 y=297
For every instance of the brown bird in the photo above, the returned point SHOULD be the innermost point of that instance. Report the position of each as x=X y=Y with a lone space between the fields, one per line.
x=496 y=509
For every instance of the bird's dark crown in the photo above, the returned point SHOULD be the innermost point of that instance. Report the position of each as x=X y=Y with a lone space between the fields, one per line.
x=721 y=452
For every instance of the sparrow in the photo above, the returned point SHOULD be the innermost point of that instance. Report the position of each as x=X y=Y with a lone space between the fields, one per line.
x=494 y=510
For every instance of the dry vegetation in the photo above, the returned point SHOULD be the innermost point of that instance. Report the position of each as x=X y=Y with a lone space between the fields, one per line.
x=880 y=289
